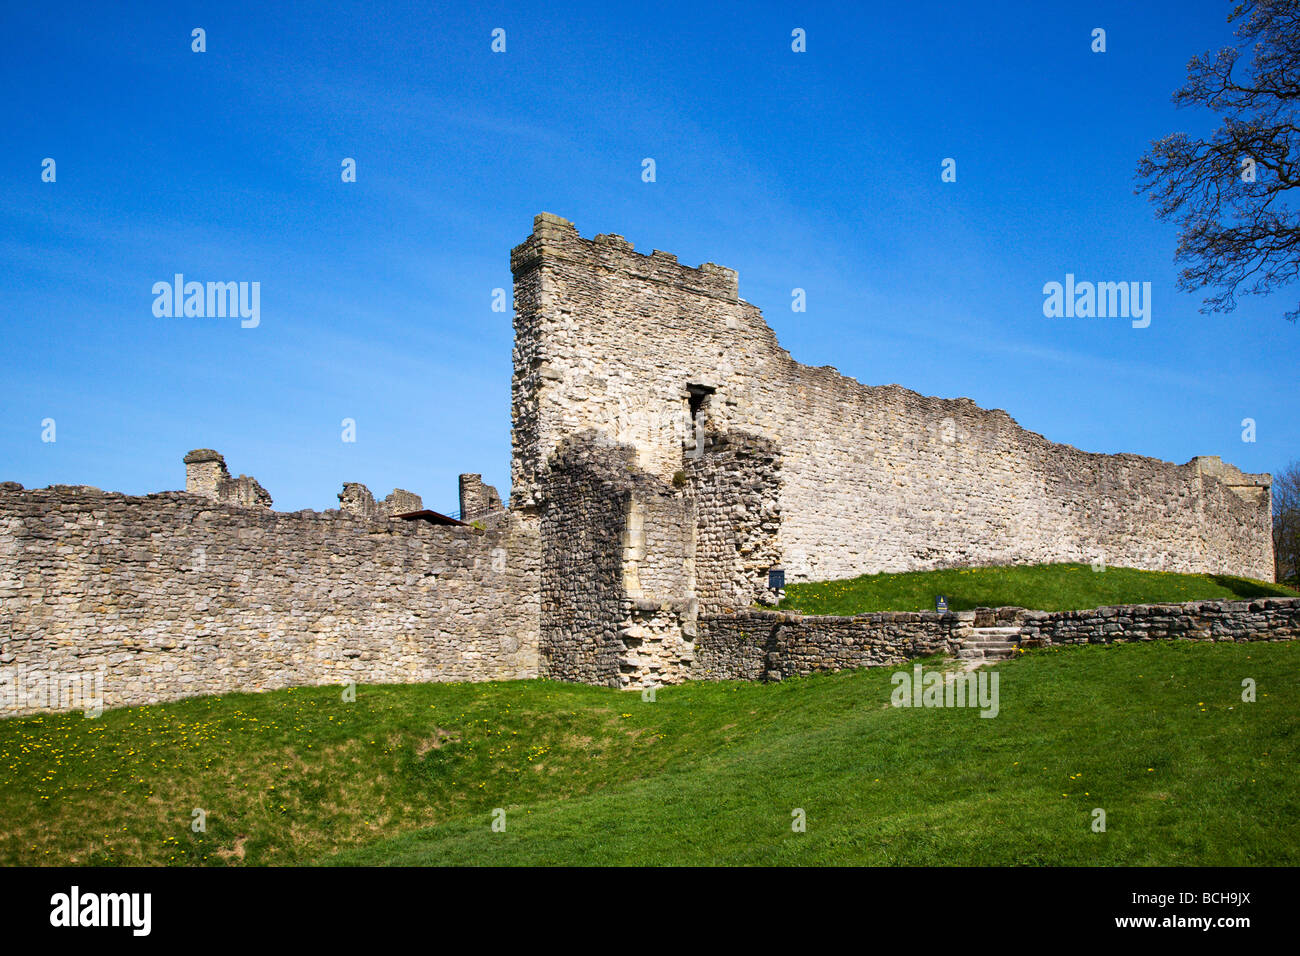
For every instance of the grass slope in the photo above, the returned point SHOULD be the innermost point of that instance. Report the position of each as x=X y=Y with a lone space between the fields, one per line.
x=1156 y=734
x=1043 y=587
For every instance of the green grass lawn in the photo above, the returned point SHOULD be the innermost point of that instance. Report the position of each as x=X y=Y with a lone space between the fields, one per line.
x=1155 y=734
x=1043 y=587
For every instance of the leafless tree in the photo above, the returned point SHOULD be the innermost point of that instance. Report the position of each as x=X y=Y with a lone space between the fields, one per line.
x=1229 y=193
x=1286 y=524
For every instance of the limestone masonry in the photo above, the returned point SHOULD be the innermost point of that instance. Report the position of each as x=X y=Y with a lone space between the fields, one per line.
x=667 y=455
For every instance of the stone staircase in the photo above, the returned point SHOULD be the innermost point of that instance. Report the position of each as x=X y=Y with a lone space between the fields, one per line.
x=996 y=643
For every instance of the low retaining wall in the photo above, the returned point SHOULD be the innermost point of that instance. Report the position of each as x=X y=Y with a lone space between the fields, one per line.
x=770 y=645
x=1263 y=619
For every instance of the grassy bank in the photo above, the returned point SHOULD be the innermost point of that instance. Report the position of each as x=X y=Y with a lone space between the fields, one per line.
x=1156 y=735
x=1043 y=587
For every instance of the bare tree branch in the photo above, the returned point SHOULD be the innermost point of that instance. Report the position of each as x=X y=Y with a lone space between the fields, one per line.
x=1230 y=194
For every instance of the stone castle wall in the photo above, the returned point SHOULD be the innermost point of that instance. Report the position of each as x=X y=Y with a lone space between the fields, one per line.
x=206 y=475
x=582 y=546
x=735 y=480
x=667 y=454
x=176 y=594
x=629 y=561
x=617 y=569
x=477 y=500
x=356 y=499
x=650 y=352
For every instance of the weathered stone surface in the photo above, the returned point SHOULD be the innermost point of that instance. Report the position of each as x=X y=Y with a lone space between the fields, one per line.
x=645 y=350
x=1260 y=619
x=477 y=500
x=601 y=583
x=667 y=454
x=206 y=475
x=356 y=499
x=755 y=645
x=175 y=594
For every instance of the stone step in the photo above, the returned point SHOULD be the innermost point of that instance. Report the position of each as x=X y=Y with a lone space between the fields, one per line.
x=970 y=655
x=990 y=642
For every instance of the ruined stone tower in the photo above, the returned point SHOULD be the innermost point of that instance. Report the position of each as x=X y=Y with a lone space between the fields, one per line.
x=674 y=453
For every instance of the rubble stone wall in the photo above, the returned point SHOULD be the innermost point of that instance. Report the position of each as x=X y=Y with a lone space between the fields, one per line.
x=770 y=645
x=175 y=594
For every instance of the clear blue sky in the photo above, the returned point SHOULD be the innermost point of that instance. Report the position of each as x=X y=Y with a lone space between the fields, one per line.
x=818 y=170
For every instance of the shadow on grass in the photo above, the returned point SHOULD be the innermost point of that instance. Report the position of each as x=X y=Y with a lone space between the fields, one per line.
x=1246 y=588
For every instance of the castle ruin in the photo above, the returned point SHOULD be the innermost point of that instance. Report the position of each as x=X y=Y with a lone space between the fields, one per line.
x=667 y=456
